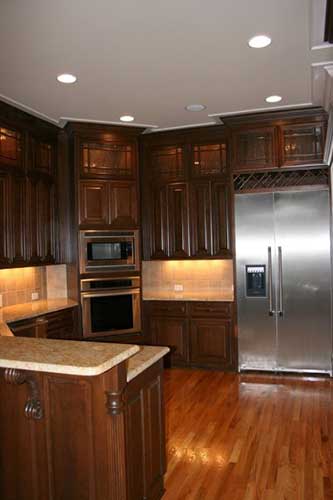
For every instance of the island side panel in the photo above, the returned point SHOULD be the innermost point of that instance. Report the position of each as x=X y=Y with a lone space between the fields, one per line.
x=23 y=456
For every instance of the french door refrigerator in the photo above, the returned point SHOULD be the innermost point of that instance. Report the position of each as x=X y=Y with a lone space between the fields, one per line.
x=284 y=281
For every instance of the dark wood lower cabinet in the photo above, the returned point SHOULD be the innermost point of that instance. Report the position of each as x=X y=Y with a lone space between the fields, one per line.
x=56 y=325
x=91 y=438
x=198 y=333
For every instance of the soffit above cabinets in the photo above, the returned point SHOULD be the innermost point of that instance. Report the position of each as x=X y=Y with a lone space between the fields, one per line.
x=150 y=59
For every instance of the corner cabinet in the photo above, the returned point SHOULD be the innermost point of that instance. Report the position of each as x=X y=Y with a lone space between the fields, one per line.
x=28 y=190
x=186 y=199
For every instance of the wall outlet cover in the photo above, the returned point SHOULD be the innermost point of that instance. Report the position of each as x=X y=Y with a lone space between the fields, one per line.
x=178 y=288
x=34 y=296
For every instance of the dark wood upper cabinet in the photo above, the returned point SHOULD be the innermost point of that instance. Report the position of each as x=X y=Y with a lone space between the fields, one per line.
x=178 y=220
x=221 y=220
x=302 y=144
x=123 y=204
x=19 y=230
x=167 y=163
x=41 y=156
x=158 y=223
x=94 y=203
x=107 y=159
x=11 y=147
x=201 y=219
x=209 y=160
x=5 y=250
x=255 y=149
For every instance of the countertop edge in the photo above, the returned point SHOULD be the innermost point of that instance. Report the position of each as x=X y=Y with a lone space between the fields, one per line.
x=134 y=372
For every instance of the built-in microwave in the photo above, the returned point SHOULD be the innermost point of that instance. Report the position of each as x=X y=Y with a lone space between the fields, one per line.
x=110 y=306
x=109 y=251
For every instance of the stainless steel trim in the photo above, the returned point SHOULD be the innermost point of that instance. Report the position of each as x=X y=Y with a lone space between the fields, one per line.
x=280 y=309
x=270 y=282
x=128 y=291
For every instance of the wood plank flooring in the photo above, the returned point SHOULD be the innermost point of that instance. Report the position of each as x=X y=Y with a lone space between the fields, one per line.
x=248 y=437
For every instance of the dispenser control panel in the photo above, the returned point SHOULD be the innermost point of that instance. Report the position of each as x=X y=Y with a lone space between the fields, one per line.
x=255 y=280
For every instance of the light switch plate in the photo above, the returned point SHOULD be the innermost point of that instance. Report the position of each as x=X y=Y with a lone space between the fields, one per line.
x=1 y=303
x=34 y=296
x=178 y=288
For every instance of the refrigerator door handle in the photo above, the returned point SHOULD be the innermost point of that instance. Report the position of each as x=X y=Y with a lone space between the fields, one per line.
x=270 y=282
x=280 y=311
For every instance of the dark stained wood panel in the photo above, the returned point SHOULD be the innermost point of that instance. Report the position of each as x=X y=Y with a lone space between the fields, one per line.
x=171 y=332
x=11 y=147
x=211 y=342
x=5 y=251
x=201 y=219
x=159 y=222
x=123 y=204
x=108 y=159
x=19 y=219
x=209 y=160
x=221 y=220
x=94 y=207
x=167 y=163
x=255 y=149
x=178 y=220
x=303 y=144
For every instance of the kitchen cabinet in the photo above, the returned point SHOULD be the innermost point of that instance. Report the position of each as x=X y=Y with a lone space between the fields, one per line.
x=280 y=139
x=108 y=203
x=28 y=180
x=109 y=159
x=198 y=333
x=55 y=325
x=186 y=192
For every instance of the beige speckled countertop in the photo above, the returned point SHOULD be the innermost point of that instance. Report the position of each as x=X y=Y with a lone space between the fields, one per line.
x=30 y=310
x=147 y=356
x=62 y=356
x=221 y=296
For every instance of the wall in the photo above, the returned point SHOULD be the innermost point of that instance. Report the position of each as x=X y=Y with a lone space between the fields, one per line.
x=197 y=276
x=17 y=285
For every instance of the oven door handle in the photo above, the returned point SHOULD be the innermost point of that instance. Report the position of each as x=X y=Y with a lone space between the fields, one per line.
x=131 y=291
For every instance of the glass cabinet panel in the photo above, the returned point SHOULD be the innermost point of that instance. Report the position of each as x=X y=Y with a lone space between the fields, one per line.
x=303 y=144
x=209 y=159
x=107 y=159
x=10 y=147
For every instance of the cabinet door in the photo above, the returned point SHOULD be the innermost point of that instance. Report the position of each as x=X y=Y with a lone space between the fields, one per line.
x=19 y=220
x=46 y=221
x=302 y=144
x=94 y=204
x=107 y=159
x=123 y=204
x=11 y=145
x=255 y=149
x=200 y=216
x=62 y=324
x=211 y=342
x=5 y=250
x=41 y=156
x=209 y=160
x=221 y=219
x=178 y=220
x=167 y=163
x=171 y=332
x=159 y=223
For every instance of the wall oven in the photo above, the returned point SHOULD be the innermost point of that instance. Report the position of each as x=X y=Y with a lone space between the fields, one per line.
x=110 y=306
x=109 y=251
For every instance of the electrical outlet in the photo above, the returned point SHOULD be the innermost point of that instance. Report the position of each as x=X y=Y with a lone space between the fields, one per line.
x=178 y=288
x=1 y=300
x=34 y=296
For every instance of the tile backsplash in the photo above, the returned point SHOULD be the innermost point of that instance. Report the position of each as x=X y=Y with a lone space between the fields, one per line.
x=17 y=285
x=192 y=275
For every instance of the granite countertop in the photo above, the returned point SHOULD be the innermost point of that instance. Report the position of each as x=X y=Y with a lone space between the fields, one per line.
x=147 y=356
x=62 y=356
x=226 y=295
x=30 y=310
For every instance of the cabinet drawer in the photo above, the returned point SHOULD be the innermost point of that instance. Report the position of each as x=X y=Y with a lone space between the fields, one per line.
x=202 y=309
x=169 y=308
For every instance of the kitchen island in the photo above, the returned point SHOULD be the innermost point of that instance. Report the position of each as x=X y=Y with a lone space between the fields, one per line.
x=80 y=421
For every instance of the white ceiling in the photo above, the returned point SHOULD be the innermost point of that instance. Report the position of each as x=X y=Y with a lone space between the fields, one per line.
x=150 y=58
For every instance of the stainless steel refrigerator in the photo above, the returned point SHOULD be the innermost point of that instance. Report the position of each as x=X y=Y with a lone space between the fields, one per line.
x=284 y=281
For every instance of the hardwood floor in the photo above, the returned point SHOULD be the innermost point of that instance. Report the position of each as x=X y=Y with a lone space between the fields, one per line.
x=248 y=437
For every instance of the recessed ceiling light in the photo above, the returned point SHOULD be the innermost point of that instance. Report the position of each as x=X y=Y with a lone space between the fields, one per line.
x=195 y=107
x=66 y=78
x=127 y=118
x=273 y=98
x=259 y=41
